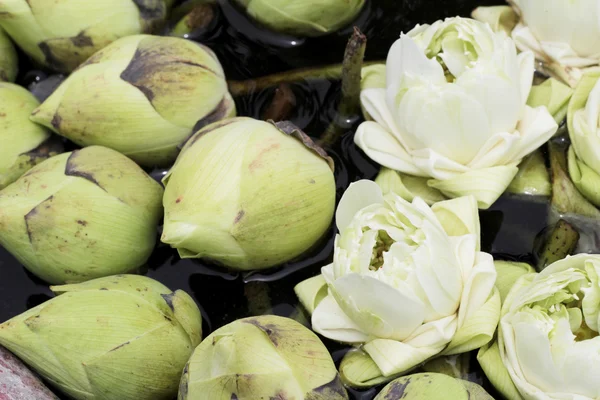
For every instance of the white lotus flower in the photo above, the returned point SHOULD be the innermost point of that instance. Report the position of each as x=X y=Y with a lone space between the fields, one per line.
x=548 y=346
x=563 y=34
x=454 y=109
x=408 y=282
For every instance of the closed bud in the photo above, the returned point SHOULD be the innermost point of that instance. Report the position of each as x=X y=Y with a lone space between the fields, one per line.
x=81 y=215
x=8 y=59
x=61 y=34
x=142 y=96
x=248 y=195
x=266 y=357
x=303 y=17
x=23 y=143
x=122 y=337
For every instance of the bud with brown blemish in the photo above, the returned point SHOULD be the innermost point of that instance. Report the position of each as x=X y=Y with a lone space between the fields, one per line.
x=61 y=34
x=248 y=194
x=124 y=337
x=142 y=96
x=265 y=357
x=432 y=386
x=81 y=215
x=9 y=62
x=23 y=143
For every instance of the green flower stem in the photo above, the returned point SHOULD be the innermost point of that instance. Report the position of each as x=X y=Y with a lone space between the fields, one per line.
x=561 y=243
x=333 y=72
x=349 y=106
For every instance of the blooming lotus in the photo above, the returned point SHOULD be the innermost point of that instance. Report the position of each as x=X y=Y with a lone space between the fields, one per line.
x=408 y=282
x=547 y=345
x=565 y=35
x=454 y=109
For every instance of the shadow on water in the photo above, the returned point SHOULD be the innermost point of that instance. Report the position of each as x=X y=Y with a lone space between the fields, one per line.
x=509 y=228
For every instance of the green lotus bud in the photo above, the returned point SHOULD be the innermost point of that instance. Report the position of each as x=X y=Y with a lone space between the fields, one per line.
x=432 y=386
x=142 y=96
x=248 y=194
x=8 y=59
x=266 y=357
x=23 y=143
x=81 y=215
x=115 y=338
x=62 y=34
x=303 y=17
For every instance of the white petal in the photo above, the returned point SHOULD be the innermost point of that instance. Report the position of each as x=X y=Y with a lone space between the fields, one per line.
x=359 y=195
x=393 y=357
x=382 y=147
x=407 y=59
x=535 y=129
x=498 y=94
x=378 y=308
x=486 y=185
x=436 y=165
x=375 y=103
x=450 y=122
x=478 y=286
x=498 y=150
x=330 y=321
x=526 y=62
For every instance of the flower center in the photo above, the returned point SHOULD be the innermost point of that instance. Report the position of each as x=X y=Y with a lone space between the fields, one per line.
x=382 y=245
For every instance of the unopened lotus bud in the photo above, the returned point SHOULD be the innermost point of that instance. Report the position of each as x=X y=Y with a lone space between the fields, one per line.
x=248 y=194
x=124 y=337
x=142 y=96
x=81 y=215
x=62 y=34
x=303 y=17
x=8 y=59
x=19 y=383
x=266 y=357
x=23 y=143
x=432 y=386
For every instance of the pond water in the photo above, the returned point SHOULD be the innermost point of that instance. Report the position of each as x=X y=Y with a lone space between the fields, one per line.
x=246 y=51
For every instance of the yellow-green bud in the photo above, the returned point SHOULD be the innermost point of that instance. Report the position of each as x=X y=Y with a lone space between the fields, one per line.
x=248 y=194
x=142 y=96
x=303 y=17
x=81 y=215
x=432 y=386
x=61 y=34
x=266 y=357
x=23 y=144
x=122 y=337
x=9 y=62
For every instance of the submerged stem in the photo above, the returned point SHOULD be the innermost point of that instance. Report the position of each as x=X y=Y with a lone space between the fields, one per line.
x=334 y=72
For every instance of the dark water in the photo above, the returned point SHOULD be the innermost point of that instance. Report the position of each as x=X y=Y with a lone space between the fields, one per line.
x=246 y=51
